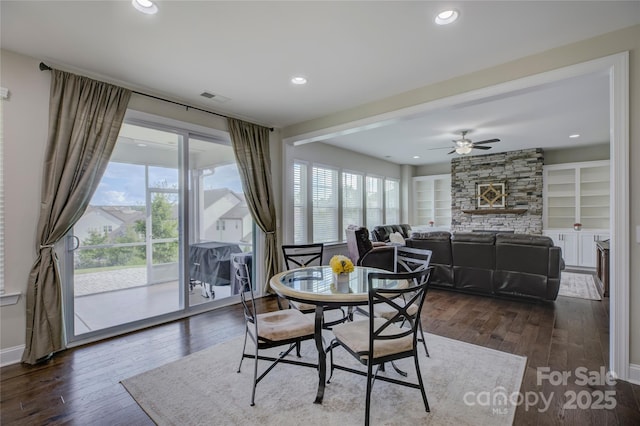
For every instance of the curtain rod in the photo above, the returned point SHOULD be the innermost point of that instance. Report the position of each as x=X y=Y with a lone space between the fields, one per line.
x=45 y=67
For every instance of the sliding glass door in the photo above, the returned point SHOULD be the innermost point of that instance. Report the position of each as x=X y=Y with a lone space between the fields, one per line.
x=159 y=235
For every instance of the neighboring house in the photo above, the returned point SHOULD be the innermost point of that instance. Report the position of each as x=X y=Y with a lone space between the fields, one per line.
x=110 y=220
x=225 y=216
x=236 y=225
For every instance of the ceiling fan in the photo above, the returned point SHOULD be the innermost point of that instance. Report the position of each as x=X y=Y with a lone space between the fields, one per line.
x=464 y=145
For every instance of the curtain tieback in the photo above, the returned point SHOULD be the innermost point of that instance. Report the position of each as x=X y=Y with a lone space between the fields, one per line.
x=47 y=246
x=270 y=233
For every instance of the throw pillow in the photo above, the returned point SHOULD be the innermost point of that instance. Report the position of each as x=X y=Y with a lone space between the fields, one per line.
x=396 y=238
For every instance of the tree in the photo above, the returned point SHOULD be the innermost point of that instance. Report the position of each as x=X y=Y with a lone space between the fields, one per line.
x=163 y=225
x=91 y=258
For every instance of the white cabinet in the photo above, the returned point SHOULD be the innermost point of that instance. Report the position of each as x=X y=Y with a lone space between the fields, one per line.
x=432 y=200
x=588 y=250
x=577 y=193
x=578 y=247
x=568 y=242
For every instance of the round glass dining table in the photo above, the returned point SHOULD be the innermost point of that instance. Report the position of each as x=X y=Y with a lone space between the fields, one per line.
x=316 y=285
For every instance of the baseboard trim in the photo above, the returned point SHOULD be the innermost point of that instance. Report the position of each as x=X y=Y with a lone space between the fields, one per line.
x=634 y=373
x=11 y=355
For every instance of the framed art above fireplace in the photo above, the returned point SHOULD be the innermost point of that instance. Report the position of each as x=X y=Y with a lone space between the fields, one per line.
x=491 y=195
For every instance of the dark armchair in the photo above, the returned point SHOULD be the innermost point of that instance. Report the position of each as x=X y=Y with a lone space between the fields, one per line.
x=362 y=252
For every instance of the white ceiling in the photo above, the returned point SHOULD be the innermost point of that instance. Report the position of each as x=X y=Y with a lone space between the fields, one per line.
x=351 y=52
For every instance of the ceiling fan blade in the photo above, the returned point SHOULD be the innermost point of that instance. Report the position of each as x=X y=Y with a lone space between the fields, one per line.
x=487 y=141
x=440 y=147
x=451 y=152
x=481 y=147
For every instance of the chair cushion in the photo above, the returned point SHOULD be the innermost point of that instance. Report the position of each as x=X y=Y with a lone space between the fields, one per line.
x=387 y=312
x=284 y=324
x=301 y=306
x=355 y=336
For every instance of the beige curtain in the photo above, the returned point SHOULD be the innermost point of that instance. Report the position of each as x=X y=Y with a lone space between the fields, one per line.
x=251 y=146
x=85 y=117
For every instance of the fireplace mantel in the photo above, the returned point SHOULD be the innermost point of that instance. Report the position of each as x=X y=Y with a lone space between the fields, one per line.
x=495 y=211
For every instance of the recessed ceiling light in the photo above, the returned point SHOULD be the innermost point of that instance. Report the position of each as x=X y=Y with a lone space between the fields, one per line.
x=446 y=17
x=141 y=144
x=575 y=135
x=299 y=80
x=145 y=6
x=416 y=156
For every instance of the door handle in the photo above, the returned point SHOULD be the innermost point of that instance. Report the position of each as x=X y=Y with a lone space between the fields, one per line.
x=77 y=240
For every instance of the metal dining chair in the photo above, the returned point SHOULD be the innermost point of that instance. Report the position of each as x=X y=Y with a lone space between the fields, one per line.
x=270 y=329
x=301 y=256
x=377 y=340
x=408 y=259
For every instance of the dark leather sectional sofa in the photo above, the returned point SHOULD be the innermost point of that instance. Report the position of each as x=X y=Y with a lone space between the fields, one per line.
x=381 y=233
x=512 y=265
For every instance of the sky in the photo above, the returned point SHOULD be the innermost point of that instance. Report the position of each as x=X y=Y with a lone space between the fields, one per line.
x=124 y=184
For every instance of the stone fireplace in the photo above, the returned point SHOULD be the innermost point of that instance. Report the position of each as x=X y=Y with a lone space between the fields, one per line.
x=520 y=210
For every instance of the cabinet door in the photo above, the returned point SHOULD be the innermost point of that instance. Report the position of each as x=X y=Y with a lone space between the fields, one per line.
x=568 y=242
x=588 y=253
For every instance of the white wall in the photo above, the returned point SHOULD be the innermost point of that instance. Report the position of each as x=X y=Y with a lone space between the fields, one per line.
x=333 y=156
x=26 y=116
x=573 y=155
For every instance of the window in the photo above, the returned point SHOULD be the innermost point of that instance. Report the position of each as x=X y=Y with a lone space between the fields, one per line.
x=299 y=203
x=374 y=202
x=352 y=192
x=325 y=204
x=326 y=200
x=392 y=201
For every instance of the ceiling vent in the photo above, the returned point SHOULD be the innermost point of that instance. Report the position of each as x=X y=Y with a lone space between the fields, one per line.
x=214 y=97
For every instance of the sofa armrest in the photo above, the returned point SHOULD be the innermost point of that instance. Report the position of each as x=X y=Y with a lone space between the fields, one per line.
x=383 y=257
x=556 y=263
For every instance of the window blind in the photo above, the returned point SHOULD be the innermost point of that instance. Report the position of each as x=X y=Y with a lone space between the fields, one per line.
x=374 y=207
x=325 y=204
x=392 y=200
x=352 y=205
x=299 y=203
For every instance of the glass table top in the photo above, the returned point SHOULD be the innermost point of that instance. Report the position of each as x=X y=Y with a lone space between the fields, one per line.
x=318 y=283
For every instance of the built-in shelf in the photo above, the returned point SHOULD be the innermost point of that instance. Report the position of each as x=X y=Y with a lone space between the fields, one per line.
x=495 y=211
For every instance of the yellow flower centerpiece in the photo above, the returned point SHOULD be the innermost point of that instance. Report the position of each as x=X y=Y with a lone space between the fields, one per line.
x=341 y=267
x=341 y=264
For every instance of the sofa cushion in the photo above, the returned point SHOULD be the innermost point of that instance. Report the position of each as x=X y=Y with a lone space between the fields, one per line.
x=433 y=236
x=474 y=260
x=382 y=232
x=405 y=230
x=474 y=237
x=524 y=239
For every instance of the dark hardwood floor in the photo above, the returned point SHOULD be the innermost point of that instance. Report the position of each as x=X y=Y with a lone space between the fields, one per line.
x=80 y=386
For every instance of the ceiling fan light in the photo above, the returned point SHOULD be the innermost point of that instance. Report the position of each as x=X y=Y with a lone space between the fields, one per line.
x=463 y=149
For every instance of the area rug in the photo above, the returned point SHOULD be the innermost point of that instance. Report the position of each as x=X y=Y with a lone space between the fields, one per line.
x=581 y=286
x=465 y=384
